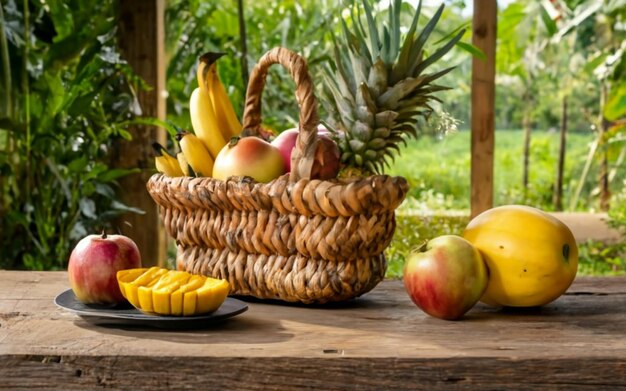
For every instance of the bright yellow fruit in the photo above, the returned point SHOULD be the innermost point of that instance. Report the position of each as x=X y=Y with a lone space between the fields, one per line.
x=531 y=255
x=171 y=292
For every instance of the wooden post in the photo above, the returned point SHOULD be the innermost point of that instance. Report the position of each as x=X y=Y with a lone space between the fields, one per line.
x=141 y=40
x=484 y=30
x=558 y=186
x=605 y=193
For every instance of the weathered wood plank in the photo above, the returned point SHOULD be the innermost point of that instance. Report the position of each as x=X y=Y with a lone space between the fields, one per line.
x=179 y=373
x=484 y=26
x=379 y=341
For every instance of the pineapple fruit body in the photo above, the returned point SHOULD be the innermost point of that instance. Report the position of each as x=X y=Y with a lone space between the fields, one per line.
x=376 y=90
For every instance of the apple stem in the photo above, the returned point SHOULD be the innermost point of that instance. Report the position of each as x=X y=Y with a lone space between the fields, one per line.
x=422 y=247
x=104 y=233
x=233 y=141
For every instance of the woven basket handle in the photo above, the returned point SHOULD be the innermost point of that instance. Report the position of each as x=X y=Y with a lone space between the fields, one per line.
x=303 y=154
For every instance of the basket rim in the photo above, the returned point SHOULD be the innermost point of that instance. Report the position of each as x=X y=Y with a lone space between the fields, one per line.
x=370 y=195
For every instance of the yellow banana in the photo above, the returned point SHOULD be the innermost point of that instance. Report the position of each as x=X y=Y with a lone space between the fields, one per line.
x=166 y=163
x=203 y=117
x=182 y=162
x=227 y=119
x=196 y=153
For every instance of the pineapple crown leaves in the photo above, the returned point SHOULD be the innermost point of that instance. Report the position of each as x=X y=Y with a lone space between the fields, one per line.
x=376 y=88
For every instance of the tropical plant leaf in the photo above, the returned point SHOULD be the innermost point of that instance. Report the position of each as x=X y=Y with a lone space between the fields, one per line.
x=471 y=49
x=615 y=107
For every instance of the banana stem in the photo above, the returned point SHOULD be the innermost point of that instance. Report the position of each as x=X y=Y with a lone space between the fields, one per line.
x=158 y=149
x=4 y=52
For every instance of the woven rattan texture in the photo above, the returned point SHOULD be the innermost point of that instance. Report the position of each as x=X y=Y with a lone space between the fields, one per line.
x=340 y=228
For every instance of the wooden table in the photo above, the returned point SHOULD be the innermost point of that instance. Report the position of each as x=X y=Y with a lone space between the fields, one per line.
x=380 y=341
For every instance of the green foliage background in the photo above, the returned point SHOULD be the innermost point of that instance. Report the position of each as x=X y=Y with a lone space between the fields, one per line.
x=67 y=96
x=196 y=27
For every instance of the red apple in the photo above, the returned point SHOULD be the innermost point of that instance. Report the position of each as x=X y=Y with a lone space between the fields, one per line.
x=445 y=277
x=94 y=263
x=327 y=154
x=285 y=142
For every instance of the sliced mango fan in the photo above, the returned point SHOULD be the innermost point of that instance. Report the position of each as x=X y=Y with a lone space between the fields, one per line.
x=171 y=292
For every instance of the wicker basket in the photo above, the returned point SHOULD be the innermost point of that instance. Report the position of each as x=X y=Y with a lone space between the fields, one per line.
x=293 y=239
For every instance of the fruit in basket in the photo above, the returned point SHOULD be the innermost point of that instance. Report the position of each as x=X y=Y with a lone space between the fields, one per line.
x=213 y=117
x=196 y=154
x=285 y=142
x=166 y=163
x=227 y=119
x=93 y=266
x=184 y=165
x=445 y=277
x=170 y=292
x=531 y=255
x=327 y=159
x=204 y=122
x=249 y=156
x=377 y=87
x=327 y=155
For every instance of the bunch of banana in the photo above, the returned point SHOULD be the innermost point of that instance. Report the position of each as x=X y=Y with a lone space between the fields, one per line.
x=195 y=154
x=166 y=163
x=194 y=158
x=212 y=115
x=214 y=122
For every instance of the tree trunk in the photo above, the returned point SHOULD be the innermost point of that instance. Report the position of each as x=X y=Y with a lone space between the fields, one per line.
x=558 y=187
x=141 y=37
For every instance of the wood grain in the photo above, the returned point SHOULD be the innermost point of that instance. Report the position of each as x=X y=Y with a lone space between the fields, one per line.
x=379 y=341
x=484 y=27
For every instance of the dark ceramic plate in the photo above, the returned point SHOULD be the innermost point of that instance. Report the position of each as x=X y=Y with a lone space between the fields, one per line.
x=125 y=314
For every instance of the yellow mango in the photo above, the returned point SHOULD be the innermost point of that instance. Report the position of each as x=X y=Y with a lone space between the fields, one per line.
x=211 y=295
x=162 y=291
x=123 y=278
x=531 y=255
x=132 y=285
x=144 y=295
x=189 y=303
x=128 y=275
x=176 y=299
x=171 y=292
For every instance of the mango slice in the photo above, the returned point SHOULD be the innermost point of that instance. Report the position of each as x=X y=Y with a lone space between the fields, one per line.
x=171 y=292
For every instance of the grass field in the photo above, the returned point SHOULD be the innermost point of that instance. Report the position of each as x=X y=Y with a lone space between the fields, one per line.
x=438 y=171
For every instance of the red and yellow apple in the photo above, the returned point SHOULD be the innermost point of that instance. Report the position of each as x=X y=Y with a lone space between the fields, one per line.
x=249 y=156
x=445 y=277
x=93 y=267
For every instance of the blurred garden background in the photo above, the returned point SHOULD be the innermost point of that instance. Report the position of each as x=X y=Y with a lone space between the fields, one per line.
x=67 y=96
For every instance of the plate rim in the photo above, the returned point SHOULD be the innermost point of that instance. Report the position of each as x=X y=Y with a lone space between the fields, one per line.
x=144 y=317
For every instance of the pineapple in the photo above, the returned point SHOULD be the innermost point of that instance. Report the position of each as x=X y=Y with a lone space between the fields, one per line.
x=376 y=88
